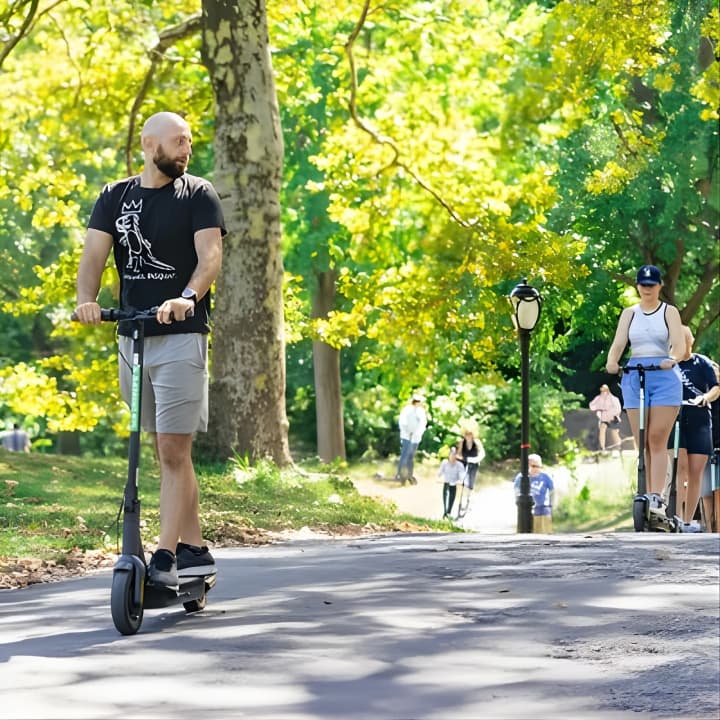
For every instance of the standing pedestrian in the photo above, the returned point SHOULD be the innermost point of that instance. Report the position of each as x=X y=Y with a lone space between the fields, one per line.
x=452 y=473
x=16 y=440
x=710 y=488
x=542 y=488
x=412 y=424
x=165 y=229
x=607 y=408
x=472 y=454
x=654 y=330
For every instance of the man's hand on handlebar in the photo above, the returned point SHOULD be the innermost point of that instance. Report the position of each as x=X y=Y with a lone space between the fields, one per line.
x=175 y=309
x=87 y=313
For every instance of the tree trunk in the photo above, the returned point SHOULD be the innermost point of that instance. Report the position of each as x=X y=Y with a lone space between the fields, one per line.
x=328 y=390
x=247 y=393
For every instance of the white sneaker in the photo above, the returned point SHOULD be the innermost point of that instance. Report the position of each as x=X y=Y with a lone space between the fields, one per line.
x=690 y=527
x=656 y=503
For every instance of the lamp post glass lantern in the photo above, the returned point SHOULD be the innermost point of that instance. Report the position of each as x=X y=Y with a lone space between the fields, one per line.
x=526 y=303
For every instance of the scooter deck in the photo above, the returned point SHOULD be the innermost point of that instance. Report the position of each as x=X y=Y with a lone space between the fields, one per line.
x=190 y=588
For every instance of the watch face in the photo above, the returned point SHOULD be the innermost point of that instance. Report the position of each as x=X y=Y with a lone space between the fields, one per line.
x=189 y=294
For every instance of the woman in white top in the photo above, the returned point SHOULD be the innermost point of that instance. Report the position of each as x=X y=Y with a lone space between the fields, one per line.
x=654 y=330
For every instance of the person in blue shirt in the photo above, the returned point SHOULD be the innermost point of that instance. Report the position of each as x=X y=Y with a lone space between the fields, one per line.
x=541 y=489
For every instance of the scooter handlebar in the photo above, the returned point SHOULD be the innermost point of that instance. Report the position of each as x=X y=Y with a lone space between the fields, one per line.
x=638 y=367
x=115 y=314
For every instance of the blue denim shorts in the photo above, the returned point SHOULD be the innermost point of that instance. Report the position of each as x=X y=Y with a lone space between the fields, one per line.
x=663 y=388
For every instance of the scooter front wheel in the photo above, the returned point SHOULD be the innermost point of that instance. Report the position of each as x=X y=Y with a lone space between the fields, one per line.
x=640 y=514
x=126 y=614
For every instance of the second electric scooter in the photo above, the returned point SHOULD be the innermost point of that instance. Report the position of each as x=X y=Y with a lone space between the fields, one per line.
x=132 y=592
x=650 y=512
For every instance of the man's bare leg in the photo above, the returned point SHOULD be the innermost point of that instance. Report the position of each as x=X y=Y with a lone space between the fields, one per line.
x=179 y=503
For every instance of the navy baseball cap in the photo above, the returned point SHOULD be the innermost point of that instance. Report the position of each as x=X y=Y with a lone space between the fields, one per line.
x=649 y=275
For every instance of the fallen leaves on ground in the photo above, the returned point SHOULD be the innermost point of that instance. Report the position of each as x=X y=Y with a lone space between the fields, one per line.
x=19 y=572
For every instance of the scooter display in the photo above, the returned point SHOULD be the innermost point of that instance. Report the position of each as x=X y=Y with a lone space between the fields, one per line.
x=132 y=591
x=650 y=512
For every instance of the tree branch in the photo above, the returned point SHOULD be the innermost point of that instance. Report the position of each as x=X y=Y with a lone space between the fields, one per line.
x=8 y=46
x=384 y=139
x=166 y=39
x=707 y=280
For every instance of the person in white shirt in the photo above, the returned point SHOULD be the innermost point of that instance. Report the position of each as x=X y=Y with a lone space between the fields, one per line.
x=452 y=473
x=412 y=423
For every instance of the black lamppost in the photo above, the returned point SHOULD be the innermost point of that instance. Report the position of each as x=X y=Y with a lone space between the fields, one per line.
x=526 y=304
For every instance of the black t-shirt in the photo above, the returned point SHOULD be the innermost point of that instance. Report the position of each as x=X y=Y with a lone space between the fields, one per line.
x=153 y=232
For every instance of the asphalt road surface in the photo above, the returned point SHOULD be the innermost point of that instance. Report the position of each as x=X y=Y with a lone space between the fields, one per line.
x=436 y=626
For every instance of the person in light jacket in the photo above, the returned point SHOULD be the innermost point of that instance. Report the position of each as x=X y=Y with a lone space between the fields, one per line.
x=412 y=423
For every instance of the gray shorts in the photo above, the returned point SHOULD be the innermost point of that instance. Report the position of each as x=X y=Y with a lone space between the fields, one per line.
x=174 y=384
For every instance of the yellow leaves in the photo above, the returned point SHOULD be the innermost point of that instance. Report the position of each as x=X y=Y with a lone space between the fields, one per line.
x=355 y=219
x=611 y=179
x=707 y=90
x=61 y=213
x=338 y=329
x=663 y=82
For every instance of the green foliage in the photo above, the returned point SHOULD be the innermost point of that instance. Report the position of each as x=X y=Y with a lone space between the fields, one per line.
x=590 y=509
x=547 y=411
x=469 y=144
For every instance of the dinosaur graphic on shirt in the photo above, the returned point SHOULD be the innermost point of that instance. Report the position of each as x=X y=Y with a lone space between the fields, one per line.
x=140 y=255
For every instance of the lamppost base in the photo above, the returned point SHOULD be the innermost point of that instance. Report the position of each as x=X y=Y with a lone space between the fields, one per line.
x=524 y=515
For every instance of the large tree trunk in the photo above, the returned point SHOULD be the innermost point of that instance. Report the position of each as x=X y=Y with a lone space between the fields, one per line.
x=328 y=390
x=247 y=395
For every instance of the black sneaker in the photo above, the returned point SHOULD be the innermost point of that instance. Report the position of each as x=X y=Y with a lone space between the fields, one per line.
x=162 y=569
x=193 y=560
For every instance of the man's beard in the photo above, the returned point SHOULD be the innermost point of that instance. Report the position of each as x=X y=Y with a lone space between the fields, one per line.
x=172 y=168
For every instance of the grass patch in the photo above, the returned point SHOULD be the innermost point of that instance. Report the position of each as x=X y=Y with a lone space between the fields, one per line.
x=598 y=503
x=52 y=505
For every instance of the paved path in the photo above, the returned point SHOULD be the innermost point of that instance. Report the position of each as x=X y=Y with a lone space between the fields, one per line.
x=427 y=626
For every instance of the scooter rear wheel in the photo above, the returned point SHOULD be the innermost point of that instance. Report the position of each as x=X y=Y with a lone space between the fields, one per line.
x=196 y=605
x=126 y=615
x=639 y=515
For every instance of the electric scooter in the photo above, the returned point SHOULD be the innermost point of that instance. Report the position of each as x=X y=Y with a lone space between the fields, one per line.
x=132 y=592
x=462 y=509
x=465 y=488
x=650 y=512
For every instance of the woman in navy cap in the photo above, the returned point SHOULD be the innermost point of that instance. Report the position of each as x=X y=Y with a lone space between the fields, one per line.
x=654 y=330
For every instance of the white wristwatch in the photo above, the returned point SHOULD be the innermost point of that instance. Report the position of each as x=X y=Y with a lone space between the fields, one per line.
x=190 y=294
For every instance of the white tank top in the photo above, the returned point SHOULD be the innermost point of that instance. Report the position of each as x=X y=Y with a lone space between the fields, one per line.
x=648 y=333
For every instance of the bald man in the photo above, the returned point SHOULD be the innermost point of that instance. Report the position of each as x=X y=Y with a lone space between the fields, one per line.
x=165 y=229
